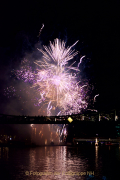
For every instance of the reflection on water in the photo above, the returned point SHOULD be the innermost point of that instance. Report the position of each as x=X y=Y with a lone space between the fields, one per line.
x=4 y=152
x=60 y=162
x=96 y=156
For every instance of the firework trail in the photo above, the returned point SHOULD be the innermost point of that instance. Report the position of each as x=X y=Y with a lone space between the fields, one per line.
x=95 y=98
x=60 y=132
x=55 y=81
x=41 y=30
x=80 y=60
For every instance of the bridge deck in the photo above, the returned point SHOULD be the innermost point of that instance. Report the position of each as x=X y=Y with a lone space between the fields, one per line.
x=99 y=140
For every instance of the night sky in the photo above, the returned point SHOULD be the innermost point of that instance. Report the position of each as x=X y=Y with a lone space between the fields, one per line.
x=94 y=23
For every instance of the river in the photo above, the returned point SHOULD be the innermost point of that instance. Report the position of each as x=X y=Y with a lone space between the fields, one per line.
x=60 y=162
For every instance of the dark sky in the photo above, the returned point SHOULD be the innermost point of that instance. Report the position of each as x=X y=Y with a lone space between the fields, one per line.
x=94 y=23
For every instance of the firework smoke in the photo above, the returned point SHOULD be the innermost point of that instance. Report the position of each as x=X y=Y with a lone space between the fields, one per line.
x=44 y=134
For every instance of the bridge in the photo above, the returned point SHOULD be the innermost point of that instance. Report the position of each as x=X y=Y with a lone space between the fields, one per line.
x=4 y=118
x=38 y=119
x=97 y=141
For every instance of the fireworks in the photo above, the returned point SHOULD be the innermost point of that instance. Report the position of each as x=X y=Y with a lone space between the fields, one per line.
x=55 y=81
x=47 y=133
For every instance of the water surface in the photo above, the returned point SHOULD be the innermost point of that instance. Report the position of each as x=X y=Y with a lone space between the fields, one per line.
x=60 y=162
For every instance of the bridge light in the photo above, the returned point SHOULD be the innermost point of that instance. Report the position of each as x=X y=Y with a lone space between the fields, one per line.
x=70 y=119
